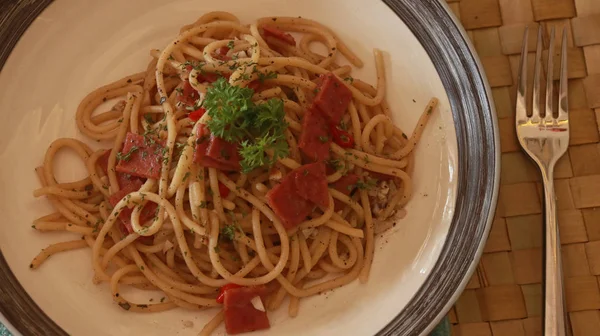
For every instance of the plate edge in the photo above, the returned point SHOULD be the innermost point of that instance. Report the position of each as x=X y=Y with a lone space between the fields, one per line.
x=409 y=325
x=29 y=319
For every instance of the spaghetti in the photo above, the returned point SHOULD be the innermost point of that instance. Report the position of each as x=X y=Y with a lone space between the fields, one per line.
x=245 y=168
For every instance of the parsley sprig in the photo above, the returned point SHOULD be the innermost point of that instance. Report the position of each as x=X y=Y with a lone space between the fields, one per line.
x=259 y=128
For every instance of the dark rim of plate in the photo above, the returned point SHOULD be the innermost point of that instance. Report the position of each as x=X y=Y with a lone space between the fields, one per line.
x=476 y=132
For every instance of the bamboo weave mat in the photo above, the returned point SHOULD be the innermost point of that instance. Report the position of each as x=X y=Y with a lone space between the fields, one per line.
x=504 y=296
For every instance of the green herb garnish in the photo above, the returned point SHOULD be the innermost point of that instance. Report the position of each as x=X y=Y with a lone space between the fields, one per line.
x=259 y=128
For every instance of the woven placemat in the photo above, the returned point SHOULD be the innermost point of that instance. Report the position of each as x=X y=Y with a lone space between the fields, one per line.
x=504 y=297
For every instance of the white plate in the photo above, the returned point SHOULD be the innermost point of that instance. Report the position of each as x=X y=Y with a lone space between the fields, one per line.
x=74 y=46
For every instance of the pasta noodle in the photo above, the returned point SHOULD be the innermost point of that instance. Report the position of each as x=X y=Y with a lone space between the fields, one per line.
x=208 y=227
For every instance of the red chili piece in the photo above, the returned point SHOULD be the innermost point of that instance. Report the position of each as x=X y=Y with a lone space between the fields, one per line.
x=221 y=54
x=196 y=115
x=223 y=190
x=342 y=138
x=224 y=50
x=207 y=76
x=225 y=288
x=254 y=85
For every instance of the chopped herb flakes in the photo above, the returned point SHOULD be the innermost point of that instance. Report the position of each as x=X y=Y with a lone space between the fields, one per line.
x=336 y=164
x=269 y=75
x=366 y=185
x=127 y=156
x=228 y=231
x=148 y=118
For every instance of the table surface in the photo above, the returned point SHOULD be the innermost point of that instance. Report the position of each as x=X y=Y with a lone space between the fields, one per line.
x=443 y=329
x=504 y=297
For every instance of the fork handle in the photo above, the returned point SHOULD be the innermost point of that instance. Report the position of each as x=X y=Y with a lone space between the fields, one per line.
x=554 y=312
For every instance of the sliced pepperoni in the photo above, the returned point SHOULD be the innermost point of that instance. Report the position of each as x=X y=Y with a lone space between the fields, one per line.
x=314 y=138
x=240 y=314
x=140 y=158
x=215 y=152
x=123 y=179
x=287 y=203
x=225 y=152
x=333 y=98
x=146 y=214
x=211 y=163
x=298 y=193
x=116 y=197
x=311 y=183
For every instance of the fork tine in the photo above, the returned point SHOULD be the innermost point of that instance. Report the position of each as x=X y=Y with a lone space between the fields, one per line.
x=536 y=77
x=521 y=106
x=563 y=94
x=550 y=79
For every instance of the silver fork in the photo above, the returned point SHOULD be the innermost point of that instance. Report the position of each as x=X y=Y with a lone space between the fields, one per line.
x=546 y=139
